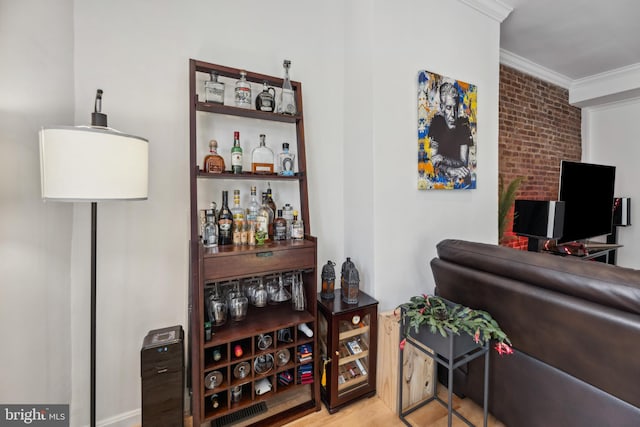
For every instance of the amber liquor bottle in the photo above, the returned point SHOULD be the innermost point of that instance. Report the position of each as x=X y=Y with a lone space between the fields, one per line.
x=225 y=221
x=213 y=162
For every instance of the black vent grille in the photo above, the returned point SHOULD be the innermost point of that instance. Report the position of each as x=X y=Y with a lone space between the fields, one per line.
x=251 y=411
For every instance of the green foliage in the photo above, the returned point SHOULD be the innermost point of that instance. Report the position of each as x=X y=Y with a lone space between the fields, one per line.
x=506 y=197
x=440 y=317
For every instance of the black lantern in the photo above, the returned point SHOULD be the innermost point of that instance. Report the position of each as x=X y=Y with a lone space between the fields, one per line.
x=328 y=280
x=350 y=282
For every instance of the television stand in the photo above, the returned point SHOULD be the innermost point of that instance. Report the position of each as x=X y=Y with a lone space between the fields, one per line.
x=588 y=250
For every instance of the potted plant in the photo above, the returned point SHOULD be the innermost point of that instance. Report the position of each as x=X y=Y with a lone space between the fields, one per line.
x=432 y=319
x=506 y=197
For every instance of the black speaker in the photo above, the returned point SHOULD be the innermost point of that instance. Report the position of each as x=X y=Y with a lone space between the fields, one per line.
x=622 y=211
x=162 y=371
x=538 y=218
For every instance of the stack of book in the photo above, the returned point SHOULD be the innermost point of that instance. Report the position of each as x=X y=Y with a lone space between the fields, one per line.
x=305 y=372
x=304 y=353
x=285 y=378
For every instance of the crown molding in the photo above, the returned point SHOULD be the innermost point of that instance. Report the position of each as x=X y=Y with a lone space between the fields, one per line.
x=494 y=9
x=605 y=88
x=528 y=67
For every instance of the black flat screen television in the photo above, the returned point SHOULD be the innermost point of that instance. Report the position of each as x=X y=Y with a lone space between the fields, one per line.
x=587 y=190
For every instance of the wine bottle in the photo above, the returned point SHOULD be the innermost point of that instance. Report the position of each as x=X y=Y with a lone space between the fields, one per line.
x=225 y=221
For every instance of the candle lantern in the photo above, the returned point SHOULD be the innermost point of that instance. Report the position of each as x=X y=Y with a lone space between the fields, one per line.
x=328 y=280
x=350 y=282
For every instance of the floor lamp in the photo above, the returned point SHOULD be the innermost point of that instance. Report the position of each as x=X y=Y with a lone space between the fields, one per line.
x=92 y=163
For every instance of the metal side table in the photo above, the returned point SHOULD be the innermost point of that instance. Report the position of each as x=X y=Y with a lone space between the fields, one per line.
x=451 y=352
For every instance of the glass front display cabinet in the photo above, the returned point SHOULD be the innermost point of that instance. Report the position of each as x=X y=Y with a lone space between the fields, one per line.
x=347 y=338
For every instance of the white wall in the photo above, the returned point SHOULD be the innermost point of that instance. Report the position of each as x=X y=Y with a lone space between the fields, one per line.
x=610 y=137
x=36 y=83
x=358 y=62
x=138 y=53
x=454 y=40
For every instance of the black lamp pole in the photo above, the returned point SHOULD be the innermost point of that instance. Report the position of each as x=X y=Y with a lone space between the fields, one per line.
x=94 y=215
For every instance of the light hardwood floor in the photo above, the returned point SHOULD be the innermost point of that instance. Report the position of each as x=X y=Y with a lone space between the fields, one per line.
x=372 y=412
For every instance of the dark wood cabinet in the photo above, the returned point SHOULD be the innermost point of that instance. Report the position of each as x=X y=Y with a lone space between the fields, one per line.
x=348 y=340
x=230 y=368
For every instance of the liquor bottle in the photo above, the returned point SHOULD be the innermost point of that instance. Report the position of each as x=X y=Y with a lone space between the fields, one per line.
x=238 y=218
x=265 y=219
x=279 y=227
x=253 y=207
x=213 y=162
x=214 y=89
x=270 y=201
x=225 y=221
x=287 y=104
x=251 y=231
x=297 y=227
x=210 y=230
x=236 y=154
x=243 y=91
x=266 y=100
x=262 y=157
x=287 y=214
x=285 y=163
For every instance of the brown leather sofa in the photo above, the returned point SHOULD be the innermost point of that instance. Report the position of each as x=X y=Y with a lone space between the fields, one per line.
x=575 y=329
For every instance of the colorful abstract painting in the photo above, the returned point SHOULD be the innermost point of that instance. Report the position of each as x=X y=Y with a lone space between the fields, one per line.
x=447 y=123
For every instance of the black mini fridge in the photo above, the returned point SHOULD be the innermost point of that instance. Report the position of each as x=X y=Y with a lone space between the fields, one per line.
x=162 y=372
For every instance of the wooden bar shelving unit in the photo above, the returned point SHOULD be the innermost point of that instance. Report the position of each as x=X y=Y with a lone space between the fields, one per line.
x=224 y=263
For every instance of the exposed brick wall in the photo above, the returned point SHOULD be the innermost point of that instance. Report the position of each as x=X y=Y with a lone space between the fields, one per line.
x=537 y=129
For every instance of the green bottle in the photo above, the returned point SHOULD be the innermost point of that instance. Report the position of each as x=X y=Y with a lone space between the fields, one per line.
x=236 y=154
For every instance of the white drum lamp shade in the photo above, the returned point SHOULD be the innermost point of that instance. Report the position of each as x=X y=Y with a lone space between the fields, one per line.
x=89 y=163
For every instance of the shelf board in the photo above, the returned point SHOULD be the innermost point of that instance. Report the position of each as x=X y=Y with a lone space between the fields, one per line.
x=228 y=250
x=291 y=396
x=345 y=360
x=353 y=332
x=246 y=112
x=259 y=321
x=352 y=382
x=250 y=175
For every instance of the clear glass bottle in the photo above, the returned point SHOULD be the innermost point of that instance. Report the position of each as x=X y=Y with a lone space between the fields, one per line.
x=264 y=223
x=279 y=227
x=214 y=89
x=243 y=91
x=210 y=230
x=297 y=227
x=213 y=162
x=251 y=232
x=225 y=221
x=238 y=218
x=266 y=100
x=262 y=157
x=287 y=214
x=287 y=104
x=253 y=207
x=285 y=161
x=236 y=154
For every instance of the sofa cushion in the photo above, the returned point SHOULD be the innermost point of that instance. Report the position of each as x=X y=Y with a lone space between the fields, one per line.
x=605 y=284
